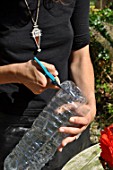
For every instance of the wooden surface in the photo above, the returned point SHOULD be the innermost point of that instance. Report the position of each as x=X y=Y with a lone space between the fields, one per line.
x=85 y=160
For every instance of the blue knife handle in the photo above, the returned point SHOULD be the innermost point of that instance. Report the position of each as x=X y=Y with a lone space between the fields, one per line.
x=47 y=73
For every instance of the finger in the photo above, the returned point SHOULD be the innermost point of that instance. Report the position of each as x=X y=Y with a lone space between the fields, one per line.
x=72 y=130
x=60 y=148
x=68 y=140
x=65 y=142
x=41 y=80
x=51 y=68
x=79 y=120
x=69 y=130
x=57 y=79
x=50 y=83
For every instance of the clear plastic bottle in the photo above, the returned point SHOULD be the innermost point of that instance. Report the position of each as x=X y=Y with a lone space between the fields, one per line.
x=40 y=143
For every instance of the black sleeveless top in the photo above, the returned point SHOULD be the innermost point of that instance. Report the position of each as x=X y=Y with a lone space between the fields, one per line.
x=65 y=27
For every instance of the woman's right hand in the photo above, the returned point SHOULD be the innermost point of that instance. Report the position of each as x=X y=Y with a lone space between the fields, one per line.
x=29 y=74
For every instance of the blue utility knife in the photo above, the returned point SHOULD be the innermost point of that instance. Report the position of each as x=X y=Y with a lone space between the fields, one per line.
x=47 y=73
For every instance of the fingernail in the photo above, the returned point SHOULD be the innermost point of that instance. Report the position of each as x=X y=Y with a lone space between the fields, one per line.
x=72 y=119
x=61 y=130
x=64 y=144
x=56 y=72
x=60 y=150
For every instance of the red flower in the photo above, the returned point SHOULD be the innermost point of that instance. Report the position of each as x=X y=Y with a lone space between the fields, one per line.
x=106 y=144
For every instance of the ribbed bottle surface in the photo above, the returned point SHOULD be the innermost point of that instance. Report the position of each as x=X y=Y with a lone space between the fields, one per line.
x=40 y=143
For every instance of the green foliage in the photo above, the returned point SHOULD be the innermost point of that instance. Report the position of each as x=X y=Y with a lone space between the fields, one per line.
x=98 y=19
x=102 y=62
x=106 y=15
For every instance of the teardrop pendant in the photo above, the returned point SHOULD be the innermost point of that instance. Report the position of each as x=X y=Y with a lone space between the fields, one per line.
x=36 y=34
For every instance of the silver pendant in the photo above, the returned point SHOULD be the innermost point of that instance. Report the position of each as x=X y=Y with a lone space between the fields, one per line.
x=36 y=34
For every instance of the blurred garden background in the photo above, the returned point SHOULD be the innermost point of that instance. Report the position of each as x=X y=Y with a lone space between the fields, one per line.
x=101 y=49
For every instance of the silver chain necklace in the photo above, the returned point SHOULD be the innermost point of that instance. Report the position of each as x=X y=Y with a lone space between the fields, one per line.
x=36 y=32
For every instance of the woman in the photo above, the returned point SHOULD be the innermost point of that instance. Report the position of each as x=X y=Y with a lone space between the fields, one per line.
x=63 y=30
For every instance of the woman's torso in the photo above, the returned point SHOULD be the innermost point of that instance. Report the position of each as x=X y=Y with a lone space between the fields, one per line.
x=17 y=45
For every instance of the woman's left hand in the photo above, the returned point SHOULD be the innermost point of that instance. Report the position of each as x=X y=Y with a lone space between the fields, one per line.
x=79 y=124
